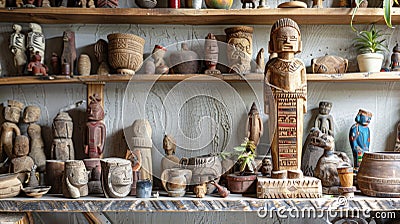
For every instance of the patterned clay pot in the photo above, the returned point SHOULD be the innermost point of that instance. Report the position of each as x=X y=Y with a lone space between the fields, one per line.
x=84 y=65
x=125 y=52
x=219 y=4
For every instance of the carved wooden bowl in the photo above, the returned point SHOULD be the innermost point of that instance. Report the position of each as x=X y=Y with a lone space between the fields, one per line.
x=378 y=174
x=125 y=52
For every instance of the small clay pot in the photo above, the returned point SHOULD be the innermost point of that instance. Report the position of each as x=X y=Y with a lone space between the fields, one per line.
x=184 y=61
x=84 y=64
x=242 y=184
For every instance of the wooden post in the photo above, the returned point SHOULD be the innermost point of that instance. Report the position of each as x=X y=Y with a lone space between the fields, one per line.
x=95 y=87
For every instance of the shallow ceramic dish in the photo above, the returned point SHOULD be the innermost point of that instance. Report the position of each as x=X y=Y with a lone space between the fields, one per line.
x=36 y=192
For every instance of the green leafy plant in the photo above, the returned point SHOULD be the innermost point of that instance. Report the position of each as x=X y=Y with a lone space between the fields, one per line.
x=246 y=156
x=370 y=41
x=387 y=12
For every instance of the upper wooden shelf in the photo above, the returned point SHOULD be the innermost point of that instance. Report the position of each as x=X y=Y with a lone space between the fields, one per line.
x=192 y=16
x=253 y=77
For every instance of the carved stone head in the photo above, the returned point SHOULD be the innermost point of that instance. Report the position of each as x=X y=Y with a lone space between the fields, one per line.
x=95 y=111
x=116 y=176
x=21 y=146
x=325 y=107
x=13 y=110
x=285 y=37
x=75 y=179
x=31 y=114
x=169 y=145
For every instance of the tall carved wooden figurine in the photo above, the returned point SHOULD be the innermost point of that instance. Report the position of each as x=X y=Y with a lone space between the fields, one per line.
x=68 y=56
x=96 y=130
x=359 y=136
x=36 y=41
x=324 y=121
x=17 y=47
x=9 y=128
x=142 y=141
x=254 y=125
x=32 y=115
x=170 y=160
x=75 y=179
x=286 y=76
x=62 y=147
x=21 y=163
x=211 y=54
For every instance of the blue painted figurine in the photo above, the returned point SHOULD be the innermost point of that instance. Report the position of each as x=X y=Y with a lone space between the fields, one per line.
x=359 y=136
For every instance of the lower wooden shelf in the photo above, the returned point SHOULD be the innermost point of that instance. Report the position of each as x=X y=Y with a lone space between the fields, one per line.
x=56 y=203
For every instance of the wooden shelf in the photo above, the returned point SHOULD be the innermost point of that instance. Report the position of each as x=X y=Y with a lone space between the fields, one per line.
x=253 y=77
x=193 y=16
x=234 y=202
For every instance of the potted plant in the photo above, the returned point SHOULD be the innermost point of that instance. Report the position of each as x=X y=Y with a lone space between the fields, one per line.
x=369 y=43
x=244 y=180
x=387 y=11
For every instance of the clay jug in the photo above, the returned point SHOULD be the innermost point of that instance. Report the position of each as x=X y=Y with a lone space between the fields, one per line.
x=184 y=61
x=175 y=180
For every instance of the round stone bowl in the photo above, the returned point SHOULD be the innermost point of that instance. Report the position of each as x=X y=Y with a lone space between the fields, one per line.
x=379 y=174
x=125 y=52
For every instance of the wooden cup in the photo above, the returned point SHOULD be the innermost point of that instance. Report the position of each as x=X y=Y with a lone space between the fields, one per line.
x=345 y=175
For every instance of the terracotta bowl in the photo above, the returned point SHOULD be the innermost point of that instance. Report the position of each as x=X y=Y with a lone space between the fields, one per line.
x=125 y=52
x=378 y=174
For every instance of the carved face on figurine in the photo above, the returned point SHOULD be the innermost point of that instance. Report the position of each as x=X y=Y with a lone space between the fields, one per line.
x=363 y=117
x=31 y=114
x=325 y=107
x=116 y=176
x=95 y=111
x=285 y=37
x=169 y=145
x=211 y=50
x=121 y=175
x=21 y=146
x=12 y=112
x=78 y=175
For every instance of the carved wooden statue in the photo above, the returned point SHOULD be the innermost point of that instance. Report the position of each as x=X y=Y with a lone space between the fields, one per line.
x=36 y=67
x=116 y=176
x=101 y=53
x=240 y=50
x=75 y=179
x=324 y=121
x=62 y=147
x=36 y=41
x=68 y=56
x=93 y=166
x=359 y=136
x=211 y=54
x=170 y=160
x=21 y=163
x=329 y=64
x=17 y=47
x=326 y=169
x=159 y=62
x=254 y=125
x=96 y=130
x=32 y=115
x=9 y=128
x=395 y=59
x=142 y=133
x=285 y=75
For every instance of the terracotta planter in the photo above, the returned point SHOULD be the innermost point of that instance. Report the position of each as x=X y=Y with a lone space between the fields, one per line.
x=378 y=174
x=125 y=52
x=370 y=62
x=242 y=184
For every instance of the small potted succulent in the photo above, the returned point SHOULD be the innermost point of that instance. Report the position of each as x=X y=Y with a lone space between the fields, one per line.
x=369 y=43
x=244 y=180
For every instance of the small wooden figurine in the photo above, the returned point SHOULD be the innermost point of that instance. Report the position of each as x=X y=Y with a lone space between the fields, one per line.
x=211 y=54
x=239 y=52
x=254 y=125
x=329 y=64
x=17 y=47
x=36 y=41
x=159 y=62
x=101 y=53
x=32 y=115
x=136 y=163
x=170 y=160
x=266 y=167
x=116 y=176
x=142 y=133
x=68 y=56
x=324 y=121
x=359 y=137
x=75 y=179
x=62 y=147
x=21 y=163
x=260 y=61
x=395 y=59
x=96 y=130
x=9 y=128
x=200 y=190
x=36 y=67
